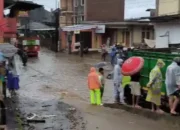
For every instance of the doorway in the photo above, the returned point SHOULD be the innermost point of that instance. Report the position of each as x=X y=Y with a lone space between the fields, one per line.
x=87 y=39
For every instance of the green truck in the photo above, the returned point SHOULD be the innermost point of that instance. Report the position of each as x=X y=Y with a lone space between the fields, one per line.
x=150 y=59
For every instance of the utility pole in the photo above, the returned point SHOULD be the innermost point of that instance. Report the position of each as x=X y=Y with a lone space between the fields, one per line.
x=57 y=15
x=81 y=45
x=70 y=42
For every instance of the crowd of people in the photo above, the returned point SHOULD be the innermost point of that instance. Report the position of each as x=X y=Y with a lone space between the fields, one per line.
x=96 y=83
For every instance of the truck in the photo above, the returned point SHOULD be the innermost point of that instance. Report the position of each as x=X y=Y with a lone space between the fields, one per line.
x=31 y=45
x=150 y=59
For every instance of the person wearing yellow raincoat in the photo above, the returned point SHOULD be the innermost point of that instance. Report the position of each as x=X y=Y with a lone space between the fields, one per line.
x=154 y=86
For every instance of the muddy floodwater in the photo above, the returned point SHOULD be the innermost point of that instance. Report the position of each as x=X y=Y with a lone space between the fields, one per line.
x=54 y=88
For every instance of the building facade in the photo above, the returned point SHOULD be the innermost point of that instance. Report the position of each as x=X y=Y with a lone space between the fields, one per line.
x=167 y=28
x=79 y=11
x=66 y=17
x=168 y=7
x=104 y=10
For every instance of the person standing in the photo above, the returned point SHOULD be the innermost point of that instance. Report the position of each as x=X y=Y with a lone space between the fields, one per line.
x=154 y=87
x=135 y=90
x=94 y=86
x=173 y=85
x=102 y=80
x=104 y=52
x=117 y=79
x=113 y=56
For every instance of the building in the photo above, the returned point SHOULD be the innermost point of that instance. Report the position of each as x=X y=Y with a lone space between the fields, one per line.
x=104 y=10
x=66 y=17
x=98 y=10
x=166 y=23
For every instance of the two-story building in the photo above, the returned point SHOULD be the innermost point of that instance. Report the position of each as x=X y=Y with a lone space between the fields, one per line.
x=167 y=23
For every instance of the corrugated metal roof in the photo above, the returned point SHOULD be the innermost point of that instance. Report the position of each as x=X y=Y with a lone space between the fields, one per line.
x=37 y=26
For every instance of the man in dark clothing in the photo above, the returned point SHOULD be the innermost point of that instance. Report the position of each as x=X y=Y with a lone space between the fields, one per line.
x=22 y=54
x=135 y=89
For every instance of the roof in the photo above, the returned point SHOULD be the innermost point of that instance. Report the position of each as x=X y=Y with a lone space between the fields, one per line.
x=8 y=3
x=41 y=15
x=164 y=18
x=24 y=5
x=37 y=26
x=78 y=27
x=125 y=23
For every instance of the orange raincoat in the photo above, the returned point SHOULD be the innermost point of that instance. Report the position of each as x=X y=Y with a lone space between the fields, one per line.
x=93 y=79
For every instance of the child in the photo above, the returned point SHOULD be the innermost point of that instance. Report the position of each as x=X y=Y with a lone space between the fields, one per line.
x=102 y=80
x=94 y=86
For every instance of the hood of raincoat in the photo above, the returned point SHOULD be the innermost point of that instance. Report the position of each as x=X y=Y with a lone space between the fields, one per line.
x=117 y=76
x=92 y=69
x=119 y=61
x=93 y=79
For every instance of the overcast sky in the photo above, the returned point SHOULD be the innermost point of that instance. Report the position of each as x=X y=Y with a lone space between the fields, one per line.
x=133 y=8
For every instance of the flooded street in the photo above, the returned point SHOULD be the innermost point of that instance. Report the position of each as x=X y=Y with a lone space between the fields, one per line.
x=54 y=86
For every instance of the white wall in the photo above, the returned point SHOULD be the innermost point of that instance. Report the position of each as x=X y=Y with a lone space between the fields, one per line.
x=162 y=29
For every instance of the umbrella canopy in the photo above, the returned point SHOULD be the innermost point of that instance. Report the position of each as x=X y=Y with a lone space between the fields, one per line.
x=132 y=65
x=8 y=50
x=100 y=65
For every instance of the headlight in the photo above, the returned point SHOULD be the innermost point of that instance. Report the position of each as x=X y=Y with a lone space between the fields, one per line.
x=35 y=47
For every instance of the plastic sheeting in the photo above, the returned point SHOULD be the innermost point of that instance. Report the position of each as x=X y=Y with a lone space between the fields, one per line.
x=150 y=43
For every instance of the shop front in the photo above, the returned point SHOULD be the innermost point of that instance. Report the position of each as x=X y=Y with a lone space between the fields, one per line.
x=90 y=36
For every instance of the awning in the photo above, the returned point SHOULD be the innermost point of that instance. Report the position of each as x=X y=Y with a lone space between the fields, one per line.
x=78 y=28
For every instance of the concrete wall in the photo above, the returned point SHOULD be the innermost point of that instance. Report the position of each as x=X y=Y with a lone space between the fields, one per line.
x=104 y=10
x=162 y=32
x=168 y=7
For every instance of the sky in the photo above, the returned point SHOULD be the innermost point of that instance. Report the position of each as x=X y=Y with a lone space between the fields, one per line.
x=48 y=4
x=137 y=8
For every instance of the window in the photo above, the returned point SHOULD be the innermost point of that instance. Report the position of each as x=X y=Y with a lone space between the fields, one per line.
x=145 y=34
x=75 y=3
x=82 y=2
x=75 y=20
x=82 y=18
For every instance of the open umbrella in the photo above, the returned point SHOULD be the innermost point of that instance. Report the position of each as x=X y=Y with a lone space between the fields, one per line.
x=132 y=65
x=100 y=65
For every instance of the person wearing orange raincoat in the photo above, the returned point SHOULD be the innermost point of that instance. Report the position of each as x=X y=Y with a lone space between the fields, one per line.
x=94 y=86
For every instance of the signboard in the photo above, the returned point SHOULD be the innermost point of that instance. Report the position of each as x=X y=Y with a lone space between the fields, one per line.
x=100 y=29
x=31 y=42
x=23 y=14
x=77 y=32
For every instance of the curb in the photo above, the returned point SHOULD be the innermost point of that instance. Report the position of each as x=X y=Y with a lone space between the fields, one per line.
x=175 y=121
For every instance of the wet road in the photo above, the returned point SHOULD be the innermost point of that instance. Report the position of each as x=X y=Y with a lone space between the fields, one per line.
x=55 y=84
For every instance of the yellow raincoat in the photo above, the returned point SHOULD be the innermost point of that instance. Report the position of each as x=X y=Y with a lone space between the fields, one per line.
x=154 y=92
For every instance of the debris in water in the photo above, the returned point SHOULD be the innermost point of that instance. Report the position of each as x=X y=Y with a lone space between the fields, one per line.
x=36 y=121
x=46 y=105
x=72 y=109
x=31 y=116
